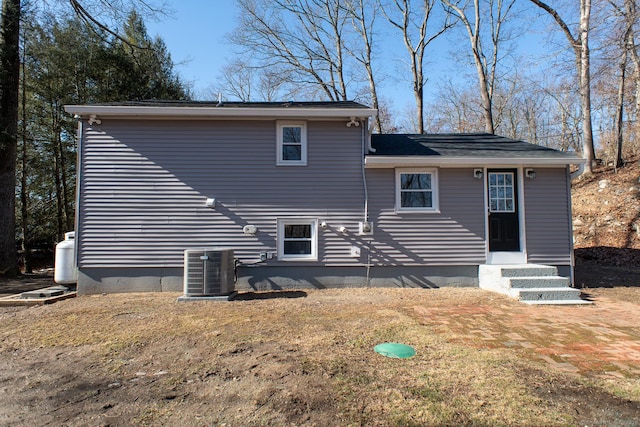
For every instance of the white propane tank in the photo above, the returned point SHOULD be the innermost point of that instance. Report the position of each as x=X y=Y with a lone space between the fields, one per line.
x=65 y=262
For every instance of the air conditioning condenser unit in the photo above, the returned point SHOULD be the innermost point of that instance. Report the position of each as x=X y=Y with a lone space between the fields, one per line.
x=209 y=272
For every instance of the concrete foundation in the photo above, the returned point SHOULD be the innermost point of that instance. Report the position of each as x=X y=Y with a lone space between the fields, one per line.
x=114 y=280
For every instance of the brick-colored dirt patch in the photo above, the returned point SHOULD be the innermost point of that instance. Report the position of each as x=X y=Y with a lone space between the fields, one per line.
x=600 y=340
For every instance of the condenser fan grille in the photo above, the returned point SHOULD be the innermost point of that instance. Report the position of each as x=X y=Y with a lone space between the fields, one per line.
x=208 y=272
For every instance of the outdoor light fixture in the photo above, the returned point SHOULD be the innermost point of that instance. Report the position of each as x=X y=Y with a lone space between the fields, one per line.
x=94 y=120
x=530 y=173
x=353 y=122
x=477 y=173
x=249 y=229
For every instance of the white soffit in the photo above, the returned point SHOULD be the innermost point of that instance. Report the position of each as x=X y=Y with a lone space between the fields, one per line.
x=421 y=161
x=132 y=112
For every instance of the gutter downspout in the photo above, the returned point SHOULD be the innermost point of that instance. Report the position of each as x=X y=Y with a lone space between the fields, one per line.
x=369 y=146
x=579 y=172
x=364 y=177
x=572 y=256
x=366 y=145
x=78 y=195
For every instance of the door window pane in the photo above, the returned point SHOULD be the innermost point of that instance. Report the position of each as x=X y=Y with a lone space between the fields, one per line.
x=501 y=192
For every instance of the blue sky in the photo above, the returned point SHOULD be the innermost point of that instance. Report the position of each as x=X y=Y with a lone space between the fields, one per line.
x=195 y=37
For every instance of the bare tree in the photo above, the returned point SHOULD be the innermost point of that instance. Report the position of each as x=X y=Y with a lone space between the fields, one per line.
x=413 y=23
x=580 y=45
x=627 y=43
x=305 y=37
x=363 y=15
x=485 y=66
x=237 y=79
x=631 y=20
x=460 y=114
x=245 y=82
x=633 y=16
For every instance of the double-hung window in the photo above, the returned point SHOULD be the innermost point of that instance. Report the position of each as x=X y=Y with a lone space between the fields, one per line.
x=417 y=190
x=292 y=143
x=298 y=239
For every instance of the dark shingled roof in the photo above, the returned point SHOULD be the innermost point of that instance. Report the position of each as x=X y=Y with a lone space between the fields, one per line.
x=459 y=145
x=230 y=104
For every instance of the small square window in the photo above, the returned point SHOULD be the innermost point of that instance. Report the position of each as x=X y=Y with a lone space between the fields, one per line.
x=416 y=190
x=297 y=239
x=292 y=143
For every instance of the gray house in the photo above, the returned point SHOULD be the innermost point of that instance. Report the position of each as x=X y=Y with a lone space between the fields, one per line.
x=307 y=197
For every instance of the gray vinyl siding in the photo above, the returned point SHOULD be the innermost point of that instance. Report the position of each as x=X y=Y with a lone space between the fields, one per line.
x=144 y=184
x=548 y=217
x=454 y=236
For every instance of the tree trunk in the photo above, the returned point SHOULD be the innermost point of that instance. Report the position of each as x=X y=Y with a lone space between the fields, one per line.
x=66 y=197
x=627 y=43
x=418 y=93
x=487 y=108
x=9 y=89
x=484 y=85
x=60 y=220
x=24 y=190
x=585 y=86
x=620 y=108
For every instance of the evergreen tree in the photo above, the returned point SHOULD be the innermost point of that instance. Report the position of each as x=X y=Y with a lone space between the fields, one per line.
x=68 y=63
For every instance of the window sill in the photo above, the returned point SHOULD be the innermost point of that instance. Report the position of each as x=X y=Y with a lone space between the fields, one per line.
x=417 y=211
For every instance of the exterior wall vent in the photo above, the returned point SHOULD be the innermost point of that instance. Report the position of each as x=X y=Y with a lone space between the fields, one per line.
x=209 y=272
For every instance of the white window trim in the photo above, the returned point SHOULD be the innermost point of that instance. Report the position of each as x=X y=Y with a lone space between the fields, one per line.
x=280 y=124
x=434 y=190
x=313 y=256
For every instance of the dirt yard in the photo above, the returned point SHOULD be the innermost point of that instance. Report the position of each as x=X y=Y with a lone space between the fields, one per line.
x=306 y=358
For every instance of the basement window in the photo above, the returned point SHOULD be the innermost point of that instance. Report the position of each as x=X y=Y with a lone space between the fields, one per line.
x=298 y=239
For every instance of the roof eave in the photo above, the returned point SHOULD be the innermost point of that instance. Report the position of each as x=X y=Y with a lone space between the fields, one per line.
x=411 y=161
x=130 y=112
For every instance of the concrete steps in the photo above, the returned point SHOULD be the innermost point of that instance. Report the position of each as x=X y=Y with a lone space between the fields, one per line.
x=529 y=283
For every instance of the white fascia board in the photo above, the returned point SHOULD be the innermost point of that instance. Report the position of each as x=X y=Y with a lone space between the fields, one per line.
x=130 y=112
x=410 y=161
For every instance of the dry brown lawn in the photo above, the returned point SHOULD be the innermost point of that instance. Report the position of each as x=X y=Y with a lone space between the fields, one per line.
x=290 y=358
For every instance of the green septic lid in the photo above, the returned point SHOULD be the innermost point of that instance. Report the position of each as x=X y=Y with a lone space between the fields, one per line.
x=394 y=349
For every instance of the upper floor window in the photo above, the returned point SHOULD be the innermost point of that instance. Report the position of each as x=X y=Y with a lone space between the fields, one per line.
x=417 y=190
x=292 y=143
